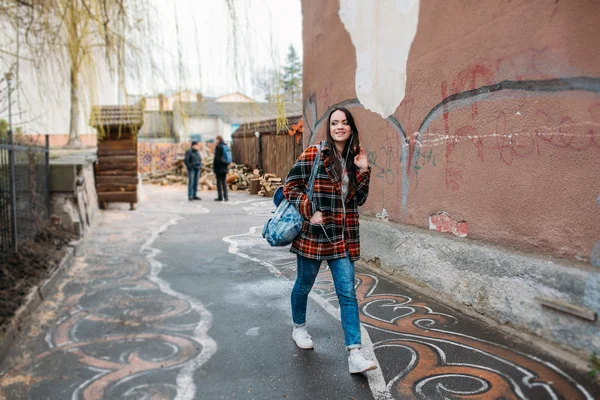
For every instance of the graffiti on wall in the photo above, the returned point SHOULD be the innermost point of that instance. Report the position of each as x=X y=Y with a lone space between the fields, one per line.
x=382 y=162
x=508 y=141
x=468 y=90
x=155 y=157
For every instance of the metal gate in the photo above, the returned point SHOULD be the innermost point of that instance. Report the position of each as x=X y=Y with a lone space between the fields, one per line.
x=24 y=190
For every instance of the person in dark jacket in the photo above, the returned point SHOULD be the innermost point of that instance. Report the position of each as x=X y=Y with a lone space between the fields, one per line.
x=193 y=163
x=330 y=230
x=221 y=167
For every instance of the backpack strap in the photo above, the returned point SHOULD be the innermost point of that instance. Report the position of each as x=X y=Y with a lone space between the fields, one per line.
x=313 y=175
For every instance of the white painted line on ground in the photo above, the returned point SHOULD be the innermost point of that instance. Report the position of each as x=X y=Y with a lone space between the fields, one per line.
x=377 y=383
x=186 y=388
x=252 y=331
x=201 y=209
x=236 y=202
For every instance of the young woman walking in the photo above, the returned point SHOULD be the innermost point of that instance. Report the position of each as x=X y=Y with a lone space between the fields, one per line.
x=330 y=231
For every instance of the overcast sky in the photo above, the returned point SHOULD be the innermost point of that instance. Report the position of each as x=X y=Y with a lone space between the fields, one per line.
x=217 y=56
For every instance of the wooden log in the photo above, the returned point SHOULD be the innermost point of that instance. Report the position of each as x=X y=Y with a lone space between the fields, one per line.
x=117 y=179
x=207 y=178
x=118 y=133
x=116 y=173
x=117 y=163
x=117 y=145
x=274 y=179
x=117 y=159
x=256 y=172
x=119 y=197
x=102 y=152
x=240 y=178
x=115 y=187
x=234 y=187
x=231 y=179
x=572 y=309
x=114 y=166
x=254 y=186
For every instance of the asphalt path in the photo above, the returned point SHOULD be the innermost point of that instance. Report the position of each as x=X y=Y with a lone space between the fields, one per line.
x=185 y=300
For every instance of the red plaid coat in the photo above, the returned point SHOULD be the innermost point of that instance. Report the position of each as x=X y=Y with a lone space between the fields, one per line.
x=315 y=241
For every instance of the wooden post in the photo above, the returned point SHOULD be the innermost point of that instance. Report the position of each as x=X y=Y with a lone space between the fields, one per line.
x=260 y=159
x=48 y=183
x=13 y=191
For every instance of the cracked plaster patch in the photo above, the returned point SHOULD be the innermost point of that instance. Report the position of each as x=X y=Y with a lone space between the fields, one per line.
x=382 y=32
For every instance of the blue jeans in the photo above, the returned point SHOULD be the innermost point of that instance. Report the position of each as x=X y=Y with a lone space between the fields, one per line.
x=193 y=174
x=342 y=270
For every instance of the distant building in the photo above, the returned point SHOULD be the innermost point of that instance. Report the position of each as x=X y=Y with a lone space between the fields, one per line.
x=164 y=101
x=158 y=127
x=205 y=120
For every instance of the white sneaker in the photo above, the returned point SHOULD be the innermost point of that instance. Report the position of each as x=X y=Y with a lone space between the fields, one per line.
x=357 y=363
x=302 y=338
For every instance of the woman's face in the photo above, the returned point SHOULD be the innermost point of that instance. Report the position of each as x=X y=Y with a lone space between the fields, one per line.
x=339 y=127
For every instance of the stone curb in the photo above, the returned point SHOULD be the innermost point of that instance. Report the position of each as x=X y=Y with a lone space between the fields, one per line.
x=76 y=245
x=576 y=360
x=36 y=296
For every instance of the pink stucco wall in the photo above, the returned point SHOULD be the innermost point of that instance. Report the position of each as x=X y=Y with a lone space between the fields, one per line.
x=499 y=128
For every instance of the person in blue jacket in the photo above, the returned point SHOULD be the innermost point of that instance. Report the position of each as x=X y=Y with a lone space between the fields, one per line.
x=193 y=163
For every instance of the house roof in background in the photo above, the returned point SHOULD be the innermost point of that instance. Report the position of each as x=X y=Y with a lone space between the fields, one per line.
x=236 y=112
x=157 y=124
x=116 y=116
x=227 y=97
x=267 y=126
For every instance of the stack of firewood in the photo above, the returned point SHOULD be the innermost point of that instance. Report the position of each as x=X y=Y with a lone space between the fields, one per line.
x=239 y=177
x=269 y=183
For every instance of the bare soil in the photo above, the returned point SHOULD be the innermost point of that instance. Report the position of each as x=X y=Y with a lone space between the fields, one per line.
x=34 y=262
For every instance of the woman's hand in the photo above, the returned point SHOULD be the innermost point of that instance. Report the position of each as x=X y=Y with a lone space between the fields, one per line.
x=317 y=218
x=361 y=161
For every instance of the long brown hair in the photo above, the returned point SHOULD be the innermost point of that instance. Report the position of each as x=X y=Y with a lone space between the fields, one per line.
x=351 y=149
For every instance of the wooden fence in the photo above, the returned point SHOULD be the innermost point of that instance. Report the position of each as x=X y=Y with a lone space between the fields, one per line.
x=244 y=150
x=273 y=152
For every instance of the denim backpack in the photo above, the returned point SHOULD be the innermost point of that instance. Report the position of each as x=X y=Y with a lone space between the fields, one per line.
x=286 y=223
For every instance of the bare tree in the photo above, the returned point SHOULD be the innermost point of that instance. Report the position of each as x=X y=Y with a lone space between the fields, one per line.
x=269 y=83
x=73 y=34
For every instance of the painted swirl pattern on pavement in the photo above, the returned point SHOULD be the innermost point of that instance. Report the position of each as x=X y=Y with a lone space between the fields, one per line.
x=120 y=331
x=425 y=352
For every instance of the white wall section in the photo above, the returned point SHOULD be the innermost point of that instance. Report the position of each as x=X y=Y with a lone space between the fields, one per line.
x=382 y=32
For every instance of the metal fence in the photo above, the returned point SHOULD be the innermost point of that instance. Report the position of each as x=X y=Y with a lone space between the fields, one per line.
x=24 y=190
